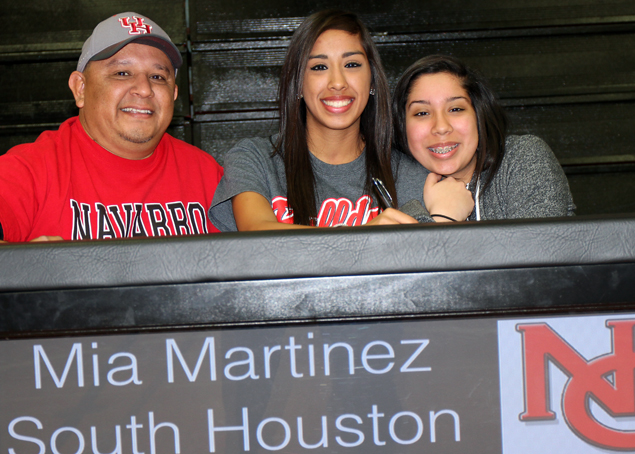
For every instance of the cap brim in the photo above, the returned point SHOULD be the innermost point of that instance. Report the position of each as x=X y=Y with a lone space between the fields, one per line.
x=167 y=47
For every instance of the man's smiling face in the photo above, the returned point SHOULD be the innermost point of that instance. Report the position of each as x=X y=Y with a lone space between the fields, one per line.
x=126 y=101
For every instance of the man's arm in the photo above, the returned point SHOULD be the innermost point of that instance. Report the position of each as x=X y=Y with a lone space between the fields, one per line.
x=34 y=240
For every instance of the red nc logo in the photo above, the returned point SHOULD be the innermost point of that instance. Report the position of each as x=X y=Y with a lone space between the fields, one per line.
x=608 y=380
x=137 y=27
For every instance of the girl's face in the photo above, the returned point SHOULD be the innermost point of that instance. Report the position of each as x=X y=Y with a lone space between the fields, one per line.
x=336 y=82
x=441 y=126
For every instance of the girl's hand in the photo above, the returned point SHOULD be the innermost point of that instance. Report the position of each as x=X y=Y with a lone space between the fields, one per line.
x=449 y=197
x=392 y=216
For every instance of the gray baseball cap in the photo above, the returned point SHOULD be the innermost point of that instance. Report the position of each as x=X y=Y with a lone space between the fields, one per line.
x=121 y=29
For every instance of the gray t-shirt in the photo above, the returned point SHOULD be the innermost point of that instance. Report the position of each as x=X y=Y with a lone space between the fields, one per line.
x=250 y=166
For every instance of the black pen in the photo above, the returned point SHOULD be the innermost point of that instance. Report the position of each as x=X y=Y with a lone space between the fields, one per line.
x=383 y=193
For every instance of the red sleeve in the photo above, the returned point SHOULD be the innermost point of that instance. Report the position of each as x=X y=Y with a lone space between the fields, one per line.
x=18 y=194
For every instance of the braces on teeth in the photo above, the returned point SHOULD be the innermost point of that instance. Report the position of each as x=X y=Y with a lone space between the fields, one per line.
x=443 y=150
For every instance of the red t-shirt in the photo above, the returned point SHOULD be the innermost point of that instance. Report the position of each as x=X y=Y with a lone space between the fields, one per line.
x=66 y=184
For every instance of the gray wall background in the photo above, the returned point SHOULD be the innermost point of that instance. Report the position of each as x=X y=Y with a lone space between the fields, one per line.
x=565 y=72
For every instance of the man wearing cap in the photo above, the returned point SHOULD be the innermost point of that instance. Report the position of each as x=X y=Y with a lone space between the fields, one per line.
x=113 y=171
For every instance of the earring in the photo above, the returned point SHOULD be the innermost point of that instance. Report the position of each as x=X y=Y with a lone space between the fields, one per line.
x=372 y=91
x=300 y=96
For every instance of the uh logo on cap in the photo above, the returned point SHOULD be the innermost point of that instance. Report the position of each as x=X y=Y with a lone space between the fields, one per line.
x=608 y=380
x=136 y=27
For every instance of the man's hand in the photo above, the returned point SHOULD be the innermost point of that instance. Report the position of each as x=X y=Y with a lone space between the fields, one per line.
x=40 y=239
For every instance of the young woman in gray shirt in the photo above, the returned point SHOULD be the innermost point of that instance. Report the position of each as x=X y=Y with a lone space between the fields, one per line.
x=448 y=119
x=335 y=136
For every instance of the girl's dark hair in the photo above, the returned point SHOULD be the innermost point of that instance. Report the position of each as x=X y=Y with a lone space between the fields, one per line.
x=375 y=124
x=490 y=116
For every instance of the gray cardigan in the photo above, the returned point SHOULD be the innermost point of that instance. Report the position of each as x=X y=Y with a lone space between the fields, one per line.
x=529 y=184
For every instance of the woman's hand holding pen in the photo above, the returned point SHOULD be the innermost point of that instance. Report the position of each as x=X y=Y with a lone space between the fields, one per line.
x=390 y=215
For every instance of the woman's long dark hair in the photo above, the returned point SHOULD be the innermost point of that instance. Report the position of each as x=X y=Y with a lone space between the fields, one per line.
x=375 y=126
x=490 y=116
